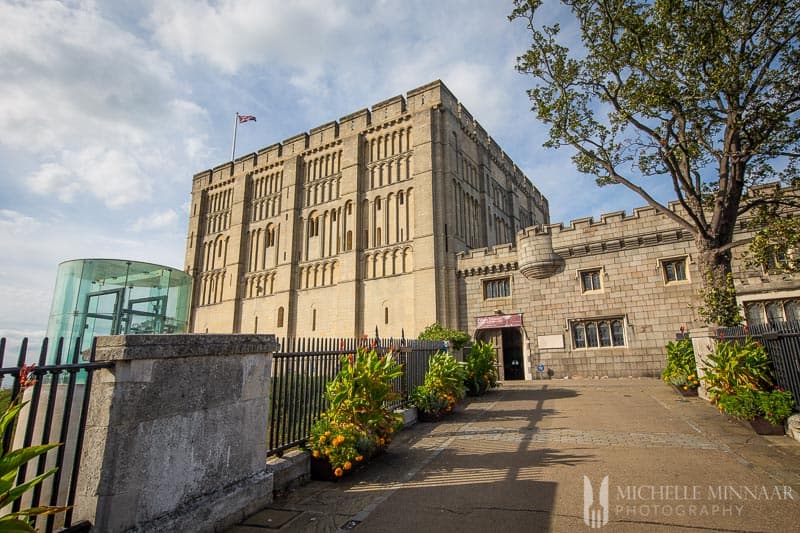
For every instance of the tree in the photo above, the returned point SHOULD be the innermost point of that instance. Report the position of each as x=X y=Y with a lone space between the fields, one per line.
x=702 y=93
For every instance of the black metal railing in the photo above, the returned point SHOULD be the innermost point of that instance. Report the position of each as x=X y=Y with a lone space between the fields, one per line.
x=782 y=342
x=56 y=409
x=301 y=368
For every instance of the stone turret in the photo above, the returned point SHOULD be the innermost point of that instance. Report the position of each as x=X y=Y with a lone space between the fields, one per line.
x=536 y=257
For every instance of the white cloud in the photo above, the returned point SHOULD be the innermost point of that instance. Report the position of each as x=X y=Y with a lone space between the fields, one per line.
x=96 y=105
x=231 y=34
x=156 y=220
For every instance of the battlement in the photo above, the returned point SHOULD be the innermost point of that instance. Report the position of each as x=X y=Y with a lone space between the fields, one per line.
x=430 y=95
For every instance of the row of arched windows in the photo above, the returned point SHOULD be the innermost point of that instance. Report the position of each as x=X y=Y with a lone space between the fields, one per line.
x=323 y=191
x=398 y=169
x=502 y=231
x=267 y=184
x=328 y=232
x=218 y=222
x=219 y=201
x=323 y=166
x=215 y=253
x=210 y=287
x=265 y=208
x=263 y=247
x=259 y=284
x=319 y=275
x=218 y=214
x=388 y=220
x=389 y=262
x=468 y=217
x=388 y=144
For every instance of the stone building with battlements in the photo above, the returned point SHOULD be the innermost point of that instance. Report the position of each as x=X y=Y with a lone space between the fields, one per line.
x=355 y=224
x=600 y=298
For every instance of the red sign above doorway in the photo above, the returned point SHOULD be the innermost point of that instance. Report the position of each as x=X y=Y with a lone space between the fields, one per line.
x=498 y=321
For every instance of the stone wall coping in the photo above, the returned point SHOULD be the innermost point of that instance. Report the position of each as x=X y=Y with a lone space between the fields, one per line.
x=132 y=347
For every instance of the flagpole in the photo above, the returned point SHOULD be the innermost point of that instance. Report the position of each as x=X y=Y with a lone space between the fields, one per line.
x=235 y=125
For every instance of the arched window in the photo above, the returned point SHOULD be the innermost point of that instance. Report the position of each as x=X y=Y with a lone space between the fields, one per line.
x=280 y=317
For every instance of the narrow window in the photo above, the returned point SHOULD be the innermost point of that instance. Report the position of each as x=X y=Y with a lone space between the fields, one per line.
x=578 y=335
x=617 y=333
x=590 y=280
x=385 y=315
x=674 y=270
x=605 y=334
x=313 y=320
x=591 y=334
x=280 y=317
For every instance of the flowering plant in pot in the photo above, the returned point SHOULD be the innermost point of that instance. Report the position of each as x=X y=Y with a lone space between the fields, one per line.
x=357 y=423
x=681 y=369
x=442 y=387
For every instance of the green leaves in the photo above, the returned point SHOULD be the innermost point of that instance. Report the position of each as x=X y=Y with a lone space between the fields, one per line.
x=435 y=332
x=10 y=463
x=700 y=94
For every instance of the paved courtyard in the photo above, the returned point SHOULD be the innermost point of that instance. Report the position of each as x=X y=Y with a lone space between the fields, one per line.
x=515 y=460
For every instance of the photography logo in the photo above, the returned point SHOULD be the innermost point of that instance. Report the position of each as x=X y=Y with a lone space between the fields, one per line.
x=595 y=511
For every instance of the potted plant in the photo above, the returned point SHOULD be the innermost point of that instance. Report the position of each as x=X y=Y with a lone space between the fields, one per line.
x=766 y=411
x=356 y=425
x=442 y=387
x=681 y=369
x=481 y=370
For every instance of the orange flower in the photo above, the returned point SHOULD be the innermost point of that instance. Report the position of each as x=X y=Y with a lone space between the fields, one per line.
x=315 y=453
x=338 y=472
x=381 y=441
x=359 y=458
x=348 y=465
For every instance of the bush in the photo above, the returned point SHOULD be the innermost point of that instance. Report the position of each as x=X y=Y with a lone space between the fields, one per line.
x=481 y=370
x=435 y=332
x=357 y=424
x=681 y=369
x=775 y=405
x=443 y=385
x=735 y=366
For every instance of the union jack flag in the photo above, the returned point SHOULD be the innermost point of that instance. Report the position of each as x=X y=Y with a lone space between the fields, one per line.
x=246 y=118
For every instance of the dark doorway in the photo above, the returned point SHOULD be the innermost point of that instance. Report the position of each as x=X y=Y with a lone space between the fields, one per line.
x=512 y=354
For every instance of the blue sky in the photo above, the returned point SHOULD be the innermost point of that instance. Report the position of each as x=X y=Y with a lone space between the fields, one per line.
x=107 y=109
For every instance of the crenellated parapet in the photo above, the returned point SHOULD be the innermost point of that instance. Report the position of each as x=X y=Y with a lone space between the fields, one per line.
x=482 y=261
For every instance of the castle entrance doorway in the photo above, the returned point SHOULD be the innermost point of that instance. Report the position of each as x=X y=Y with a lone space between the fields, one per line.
x=505 y=332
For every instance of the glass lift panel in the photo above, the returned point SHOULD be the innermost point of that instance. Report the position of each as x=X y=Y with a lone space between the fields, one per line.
x=102 y=315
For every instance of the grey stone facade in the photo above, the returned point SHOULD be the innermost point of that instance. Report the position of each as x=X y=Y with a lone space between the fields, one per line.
x=631 y=281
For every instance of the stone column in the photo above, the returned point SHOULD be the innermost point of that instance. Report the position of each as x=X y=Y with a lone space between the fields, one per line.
x=704 y=341
x=176 y=433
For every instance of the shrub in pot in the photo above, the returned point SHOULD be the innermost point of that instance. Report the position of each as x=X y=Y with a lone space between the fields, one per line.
x=442 y=387
x=357 y=423
x=481 y=370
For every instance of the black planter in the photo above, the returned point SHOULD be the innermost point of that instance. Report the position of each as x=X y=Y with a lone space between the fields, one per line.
x=763 y=427
x=691 y=391
x=321 y=470
x=427 y=416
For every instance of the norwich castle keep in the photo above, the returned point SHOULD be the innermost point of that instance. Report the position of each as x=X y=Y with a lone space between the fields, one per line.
x=409 y=213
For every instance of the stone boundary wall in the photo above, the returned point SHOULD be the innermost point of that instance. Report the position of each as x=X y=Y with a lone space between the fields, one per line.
x=175 y=435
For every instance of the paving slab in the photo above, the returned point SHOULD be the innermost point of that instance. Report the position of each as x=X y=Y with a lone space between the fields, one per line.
x=532 y=456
